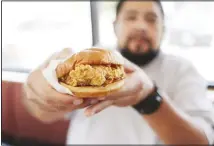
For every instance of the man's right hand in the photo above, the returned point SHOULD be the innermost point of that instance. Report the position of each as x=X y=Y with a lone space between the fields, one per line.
x=44 y=102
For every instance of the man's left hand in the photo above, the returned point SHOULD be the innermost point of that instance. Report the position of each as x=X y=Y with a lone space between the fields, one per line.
x=137 y=86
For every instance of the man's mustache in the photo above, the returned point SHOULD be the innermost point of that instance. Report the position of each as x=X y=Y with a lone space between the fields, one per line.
x=139 y=36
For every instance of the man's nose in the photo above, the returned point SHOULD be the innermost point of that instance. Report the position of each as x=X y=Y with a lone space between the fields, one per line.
x=141 y=25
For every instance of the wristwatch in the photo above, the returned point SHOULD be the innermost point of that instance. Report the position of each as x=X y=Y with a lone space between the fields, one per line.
x=150 y=104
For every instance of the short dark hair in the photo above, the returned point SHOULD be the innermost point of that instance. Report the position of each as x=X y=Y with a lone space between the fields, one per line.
x=120 y=4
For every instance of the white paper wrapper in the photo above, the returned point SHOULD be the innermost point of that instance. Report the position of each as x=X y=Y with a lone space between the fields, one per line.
x=50 y=75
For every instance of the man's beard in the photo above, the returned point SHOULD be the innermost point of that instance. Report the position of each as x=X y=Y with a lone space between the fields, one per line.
x=141 y=58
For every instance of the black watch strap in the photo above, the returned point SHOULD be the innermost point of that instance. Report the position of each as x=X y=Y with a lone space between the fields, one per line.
x=150 y=104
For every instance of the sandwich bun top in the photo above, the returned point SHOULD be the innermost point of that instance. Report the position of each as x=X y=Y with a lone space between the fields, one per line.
x=96 y=56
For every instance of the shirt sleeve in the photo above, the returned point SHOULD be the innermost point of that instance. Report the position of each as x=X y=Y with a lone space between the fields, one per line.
x=190 y=95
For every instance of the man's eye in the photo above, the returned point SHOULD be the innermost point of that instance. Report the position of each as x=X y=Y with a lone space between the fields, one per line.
x=131 y=18
x=151 y=19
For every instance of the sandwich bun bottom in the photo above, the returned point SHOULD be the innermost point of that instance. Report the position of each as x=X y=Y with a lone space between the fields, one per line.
x=94 y=92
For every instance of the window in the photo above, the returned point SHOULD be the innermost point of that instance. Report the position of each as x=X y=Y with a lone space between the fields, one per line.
x=34 y=30
x=189 y=32
x=106 y=16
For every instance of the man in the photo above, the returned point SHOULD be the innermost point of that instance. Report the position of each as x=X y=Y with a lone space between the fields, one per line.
x=164 y=101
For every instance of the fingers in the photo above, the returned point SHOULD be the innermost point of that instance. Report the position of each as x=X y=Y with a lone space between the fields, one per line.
x=94 y=101
x=121 y=101
x=51 y=105
x=64 y=98
x=125 y=101
x=43 y=89
x=34 y=99
x=129 y=100
x=70 y=108
x=50 y=100
x=98 y=107
x=129 y=89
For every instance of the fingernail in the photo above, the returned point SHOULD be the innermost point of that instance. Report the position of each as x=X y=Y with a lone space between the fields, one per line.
x=77 y=101
x=88 y=114
x=92 y=113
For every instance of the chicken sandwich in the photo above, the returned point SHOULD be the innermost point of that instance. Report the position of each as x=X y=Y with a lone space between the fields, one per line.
x=95 y=73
